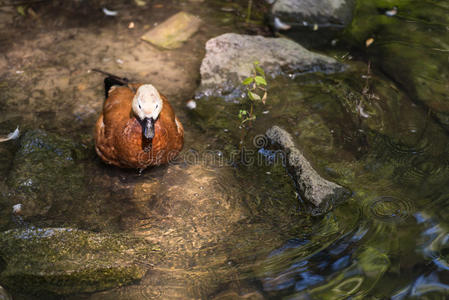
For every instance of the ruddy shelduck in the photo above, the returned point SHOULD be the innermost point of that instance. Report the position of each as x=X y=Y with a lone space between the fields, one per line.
x=138 y=127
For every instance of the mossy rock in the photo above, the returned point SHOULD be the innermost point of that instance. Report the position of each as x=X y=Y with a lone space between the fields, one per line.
x=47 y=173
x=59 y=261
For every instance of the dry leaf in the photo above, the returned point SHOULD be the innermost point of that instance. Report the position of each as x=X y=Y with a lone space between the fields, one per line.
x=369 y=41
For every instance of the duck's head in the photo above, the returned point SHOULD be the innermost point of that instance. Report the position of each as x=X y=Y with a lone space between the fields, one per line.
x=147 y=105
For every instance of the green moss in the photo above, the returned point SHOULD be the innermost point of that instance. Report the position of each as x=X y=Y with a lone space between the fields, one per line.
x=47 y=173
x=64 y=261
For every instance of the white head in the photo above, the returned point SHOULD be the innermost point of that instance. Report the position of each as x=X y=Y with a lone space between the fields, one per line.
x=147 y=105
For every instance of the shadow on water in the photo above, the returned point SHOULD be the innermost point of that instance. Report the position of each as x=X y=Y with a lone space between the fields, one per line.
x=234 y=231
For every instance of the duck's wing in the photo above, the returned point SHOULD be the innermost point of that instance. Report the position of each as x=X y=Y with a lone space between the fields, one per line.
x=111 y=124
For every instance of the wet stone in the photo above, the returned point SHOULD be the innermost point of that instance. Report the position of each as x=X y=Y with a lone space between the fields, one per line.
x=318 y=191
x=230 y=57
x=46 y=173
x=311 y=22
x=59 y=261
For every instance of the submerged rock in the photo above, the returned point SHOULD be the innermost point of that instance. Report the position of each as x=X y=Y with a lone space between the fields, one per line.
x=312 y=22
x=322 y=193
x=64 y=260
x=174 y=31
x=230 y=57
x=408 y=48
x=46 y=172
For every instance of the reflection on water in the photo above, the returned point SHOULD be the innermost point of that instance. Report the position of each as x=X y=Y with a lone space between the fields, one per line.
x=389 y=209
x=365 y=260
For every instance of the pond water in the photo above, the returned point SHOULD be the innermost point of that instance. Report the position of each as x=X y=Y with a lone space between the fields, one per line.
x=229 y=230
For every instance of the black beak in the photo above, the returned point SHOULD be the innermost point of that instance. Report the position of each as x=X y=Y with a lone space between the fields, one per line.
x=148 y=128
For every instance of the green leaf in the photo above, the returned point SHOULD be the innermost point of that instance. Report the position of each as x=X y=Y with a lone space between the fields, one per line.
x=256 y=62
x=253 y=96
x=259 y=70
x=248 y=80
x=260 y=80
x=242 y=113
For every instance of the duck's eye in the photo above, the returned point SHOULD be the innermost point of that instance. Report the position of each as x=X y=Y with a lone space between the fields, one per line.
x=157 y=106
x=140 y=107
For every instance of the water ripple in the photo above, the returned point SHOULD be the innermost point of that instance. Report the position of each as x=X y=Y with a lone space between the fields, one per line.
x=389 y=209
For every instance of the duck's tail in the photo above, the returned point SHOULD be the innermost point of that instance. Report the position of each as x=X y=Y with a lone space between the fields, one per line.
x=111 y=80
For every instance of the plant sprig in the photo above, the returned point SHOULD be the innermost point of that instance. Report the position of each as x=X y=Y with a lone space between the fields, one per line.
x=256 y=91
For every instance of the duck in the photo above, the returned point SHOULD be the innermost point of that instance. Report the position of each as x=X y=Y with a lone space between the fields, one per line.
x=138 y=127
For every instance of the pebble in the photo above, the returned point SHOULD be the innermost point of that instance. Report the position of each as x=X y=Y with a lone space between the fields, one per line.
x=17 y=209
x=191 y=104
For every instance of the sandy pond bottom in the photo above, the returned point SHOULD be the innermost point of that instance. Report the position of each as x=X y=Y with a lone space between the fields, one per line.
x=227 y=231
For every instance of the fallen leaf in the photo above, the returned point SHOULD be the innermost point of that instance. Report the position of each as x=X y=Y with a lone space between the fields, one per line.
x=369 y=41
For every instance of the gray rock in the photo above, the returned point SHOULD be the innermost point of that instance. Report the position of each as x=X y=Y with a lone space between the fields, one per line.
x=64 y=260
x=322 y=193
x=312 y=21
x=229 y=59
x=338 y=12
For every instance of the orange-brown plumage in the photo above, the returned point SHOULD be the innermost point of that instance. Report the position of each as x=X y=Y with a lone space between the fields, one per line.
x=119 y=136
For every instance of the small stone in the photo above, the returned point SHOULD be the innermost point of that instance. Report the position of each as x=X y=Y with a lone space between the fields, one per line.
x=17 y=209
x=173 y=32
x=191 y=104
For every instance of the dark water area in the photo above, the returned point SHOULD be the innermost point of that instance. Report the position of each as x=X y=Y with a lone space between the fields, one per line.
x=226 y=229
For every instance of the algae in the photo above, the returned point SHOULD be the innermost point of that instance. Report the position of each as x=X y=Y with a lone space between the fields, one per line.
x=47 y=173
x=410 y=47
x=65 y=261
